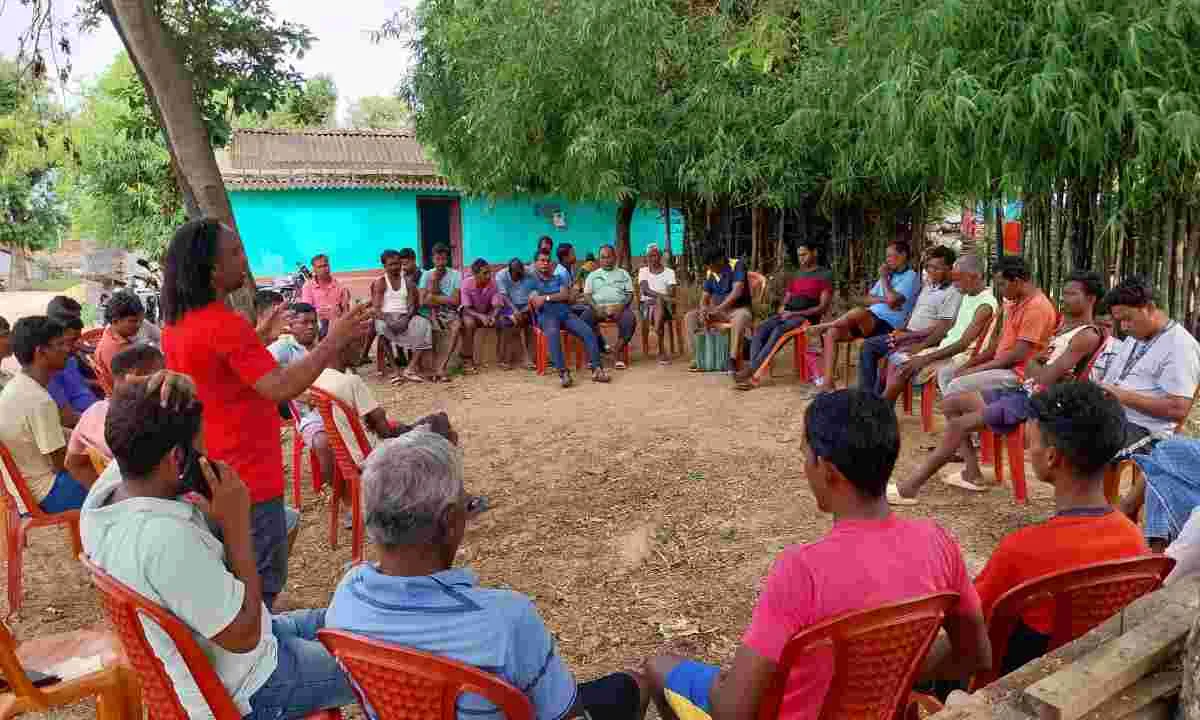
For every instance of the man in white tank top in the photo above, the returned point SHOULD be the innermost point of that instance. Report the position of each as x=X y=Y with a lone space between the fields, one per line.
x=396 y=298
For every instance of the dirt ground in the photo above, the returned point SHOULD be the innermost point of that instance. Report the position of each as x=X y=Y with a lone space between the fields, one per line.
x=639 y=516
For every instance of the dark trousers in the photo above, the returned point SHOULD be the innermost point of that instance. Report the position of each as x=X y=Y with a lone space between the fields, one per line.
x=268 y=530
x=768 y=334
x=874 y=349
x=626 y=325
x=556 y=317
x=587 y=314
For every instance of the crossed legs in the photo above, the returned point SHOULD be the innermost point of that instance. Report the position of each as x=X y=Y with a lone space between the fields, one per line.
x=858 y=323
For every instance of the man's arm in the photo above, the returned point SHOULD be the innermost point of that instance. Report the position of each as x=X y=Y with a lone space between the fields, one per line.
x=738 y=690
x=80 y=468
x=68 y=416
x=377 y=290
x=821 y=308
x=230 y=508
x=963 y=650
x=1168 y=407
x=285 y=383
x=1004 y=361
x=732 y=298
x=979 y=324
x=1082 y=346
x=937 y=333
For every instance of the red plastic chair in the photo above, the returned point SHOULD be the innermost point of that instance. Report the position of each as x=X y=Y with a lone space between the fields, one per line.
x=570 y=344
x=930 y=390
x=1083 y=598
x=400 y=684
x=348 y=479
x=125 y=609
x=17 y=527
x=626 y=352
x=876 y=656
x=758 y=286
x=298 y=447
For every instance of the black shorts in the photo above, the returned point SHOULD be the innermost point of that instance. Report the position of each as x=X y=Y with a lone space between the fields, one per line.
x=268 y=531
x=612 y=697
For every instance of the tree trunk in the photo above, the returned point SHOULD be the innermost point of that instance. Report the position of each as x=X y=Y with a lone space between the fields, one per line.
x=170 y=90
x=1163 y=257
x=1191 y=272
x=624 y=220
x=18 y=269
x=1179 y=281
x=919 y=222
x=1189 y=695
x=758 y=236
x=781 y=242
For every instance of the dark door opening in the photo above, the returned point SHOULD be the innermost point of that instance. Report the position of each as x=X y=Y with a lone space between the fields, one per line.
x=438 y=220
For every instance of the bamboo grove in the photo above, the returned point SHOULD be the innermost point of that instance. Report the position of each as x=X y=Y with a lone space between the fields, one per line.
x=843 y=119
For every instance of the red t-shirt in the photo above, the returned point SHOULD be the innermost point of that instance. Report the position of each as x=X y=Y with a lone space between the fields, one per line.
x=860 y=564
x=222 y=353
x=1060 y=543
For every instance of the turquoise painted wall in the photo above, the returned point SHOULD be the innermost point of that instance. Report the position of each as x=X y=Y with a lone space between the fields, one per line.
x=283 y=227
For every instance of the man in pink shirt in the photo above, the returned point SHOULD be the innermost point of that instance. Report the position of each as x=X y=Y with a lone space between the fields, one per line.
x=869 y=558
x=325 y=294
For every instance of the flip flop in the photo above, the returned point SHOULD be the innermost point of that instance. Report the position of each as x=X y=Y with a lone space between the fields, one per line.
x=744 y=386
x=895 y=498
x=412 y=377
x=620 y=365
x=956 y=480
x=397 y=380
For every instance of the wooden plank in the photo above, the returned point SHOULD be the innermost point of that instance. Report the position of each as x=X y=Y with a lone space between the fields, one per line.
x=1098 y=676
x=1144 y=692
x=1158 y=710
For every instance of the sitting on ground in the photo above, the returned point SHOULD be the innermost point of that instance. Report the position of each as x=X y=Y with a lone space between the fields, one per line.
x=885 y=308
x=137 y=528
x=608 y=290
x=125 y=315
x=852 y=440
x=480 y=309
x=657 y=284
x=30 y=423
x=136 y=362
x=1154 y=375
x=975 y=315
x=551 y=300
x=726 y=298
x=415 y=598
x=1003 y=409
x=930 y=321
x=441 y=296
x=806 y=298
x=1075 y=431
x=396 y=300
x=514 y=286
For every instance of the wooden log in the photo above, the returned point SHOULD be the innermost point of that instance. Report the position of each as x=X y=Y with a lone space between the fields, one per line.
x=1150 y=690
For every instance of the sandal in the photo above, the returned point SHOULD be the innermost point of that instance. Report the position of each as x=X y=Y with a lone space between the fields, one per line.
x=694 y=368
x=619 y=365
x=410 y=376
x=397 y=380
x=504 y=366
x=895 y=498
x=469 y=367
x=599 y=376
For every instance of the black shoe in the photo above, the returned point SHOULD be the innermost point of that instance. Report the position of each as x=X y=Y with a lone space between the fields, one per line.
x=564 y=378
x=730 y=366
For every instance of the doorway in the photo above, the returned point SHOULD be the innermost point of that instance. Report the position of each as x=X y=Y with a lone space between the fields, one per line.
x=439 y=220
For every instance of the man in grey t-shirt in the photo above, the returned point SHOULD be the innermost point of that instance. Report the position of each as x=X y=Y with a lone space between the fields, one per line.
x=931 y=318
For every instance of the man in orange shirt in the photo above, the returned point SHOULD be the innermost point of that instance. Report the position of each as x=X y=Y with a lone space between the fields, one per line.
x=125 y=315
x=1030 y=319
x=1076 y=430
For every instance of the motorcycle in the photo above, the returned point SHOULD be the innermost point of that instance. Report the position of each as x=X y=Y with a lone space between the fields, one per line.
x=143 y=284
x=289 y=286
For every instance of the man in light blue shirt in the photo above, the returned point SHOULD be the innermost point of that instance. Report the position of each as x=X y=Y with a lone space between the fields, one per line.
x=441 y=297
x=414 y=597
x=551 y=301
x=884 y=309
x=515 y=284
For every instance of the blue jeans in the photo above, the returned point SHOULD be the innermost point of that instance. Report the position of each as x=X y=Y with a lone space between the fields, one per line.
x=65 y=494
x=556 y=317
x=768 y=334
x=307 y=678
x=874 y=349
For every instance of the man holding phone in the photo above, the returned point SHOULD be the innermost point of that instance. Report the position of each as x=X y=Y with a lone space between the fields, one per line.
x=136 y=527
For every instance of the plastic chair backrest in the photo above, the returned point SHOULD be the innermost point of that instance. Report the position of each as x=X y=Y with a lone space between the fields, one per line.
x=876 y=656
x=16 y=481
x=399 y=683
x=18 y=682
x=126 y=608
x=1082 y=597
x=325 y=402
x=91 y=337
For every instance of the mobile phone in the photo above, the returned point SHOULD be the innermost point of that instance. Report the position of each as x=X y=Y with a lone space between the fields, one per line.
x=191 y=475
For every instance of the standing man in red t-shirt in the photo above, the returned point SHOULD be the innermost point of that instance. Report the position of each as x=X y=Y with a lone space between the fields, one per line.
x=325 y=294
x=236 y=378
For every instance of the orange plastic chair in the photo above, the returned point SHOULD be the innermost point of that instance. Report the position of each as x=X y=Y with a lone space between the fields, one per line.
x=314 y=465
x=930 y=390
x=103 y=375
x=126 y=609
x=799 y=348
x=399 y=683
x=91 y=337
x=1112 y=476
x=876 y=656
x=114 y=686
x=626 y=352
x=1083 y=597
x=570 y=344
x=348 y=479
x=17 y=527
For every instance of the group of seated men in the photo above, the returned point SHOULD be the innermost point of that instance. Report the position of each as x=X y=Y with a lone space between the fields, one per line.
x=137 y=528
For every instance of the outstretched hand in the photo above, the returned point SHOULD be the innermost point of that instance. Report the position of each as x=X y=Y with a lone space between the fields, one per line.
x=353 y=325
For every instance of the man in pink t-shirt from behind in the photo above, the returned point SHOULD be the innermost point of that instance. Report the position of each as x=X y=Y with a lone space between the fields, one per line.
x=869 y=558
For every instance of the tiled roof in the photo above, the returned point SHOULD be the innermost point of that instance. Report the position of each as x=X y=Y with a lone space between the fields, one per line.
x=322 y=159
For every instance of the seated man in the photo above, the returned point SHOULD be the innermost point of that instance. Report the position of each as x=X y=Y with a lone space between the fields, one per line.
x=726 y=298
x=1076 y=430
x=125 y=315
x=30 y=425
x=480 y=308
x=70 y=387
x=975 y=315
x=396 y=300
x=136 y=528
x=1001 y=410
x=551 y=300
x=572 y=273
x=1154 y=373
x=931 y=319
x=5 y=350
x=851 y=444
x=441 y=296
x=806 y=298
x=304 y=329
x=514 y=286
x=415 y=598
x=885 y=308
x=608 y=290
x=136 y=362
x=657 y=284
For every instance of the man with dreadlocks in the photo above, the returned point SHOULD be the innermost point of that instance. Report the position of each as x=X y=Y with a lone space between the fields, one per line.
x=236 y=378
